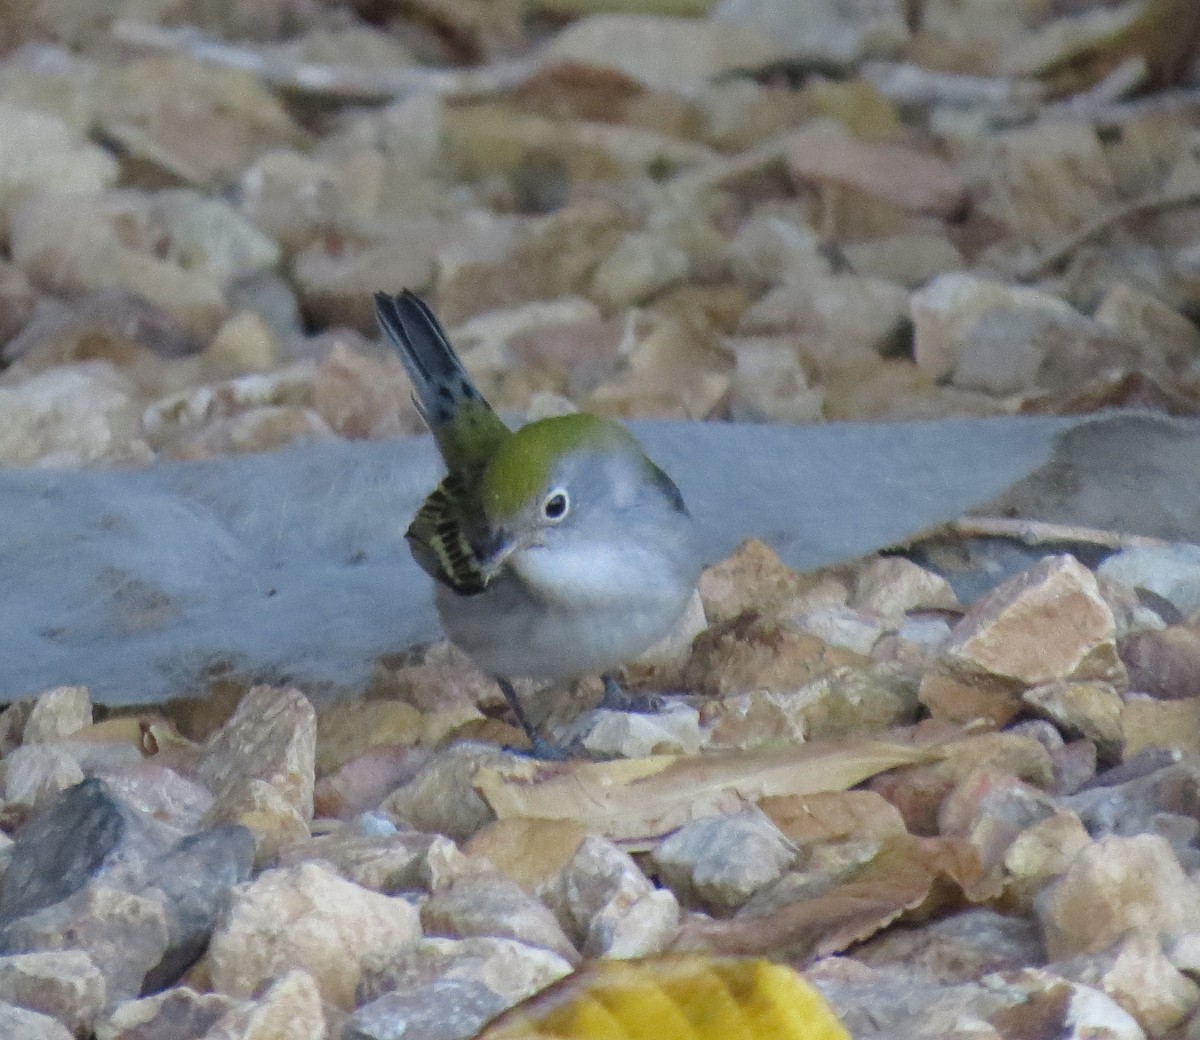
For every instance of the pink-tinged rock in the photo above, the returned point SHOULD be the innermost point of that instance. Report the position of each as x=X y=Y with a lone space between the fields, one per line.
x=363 y=782
x=1164 y=664
x=912 y=180
x=1118 y=885
x=1048 y=622
x=305 y=917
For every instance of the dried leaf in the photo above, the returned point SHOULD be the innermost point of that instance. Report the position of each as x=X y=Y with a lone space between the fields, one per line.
x=1165 y=37
x=906 y=874
x=643 y=798
x=674 y=998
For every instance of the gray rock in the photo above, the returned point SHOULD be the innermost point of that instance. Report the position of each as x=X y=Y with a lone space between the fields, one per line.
x=91 y=867
x=721 y=861
x=61 y=849
x=445 y=989
x=17 y=1022
x=1170 y=571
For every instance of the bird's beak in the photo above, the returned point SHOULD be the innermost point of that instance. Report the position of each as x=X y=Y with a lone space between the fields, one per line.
x=494 y=552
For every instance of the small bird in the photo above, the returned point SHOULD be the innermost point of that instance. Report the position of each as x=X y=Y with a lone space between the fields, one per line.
x=558 y=549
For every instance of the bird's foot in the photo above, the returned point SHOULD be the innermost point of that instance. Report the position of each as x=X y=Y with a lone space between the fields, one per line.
x=546 y=751
x=539 y=747
x=616 y=699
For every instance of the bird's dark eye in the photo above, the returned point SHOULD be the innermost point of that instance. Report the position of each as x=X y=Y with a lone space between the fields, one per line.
x=556 y=505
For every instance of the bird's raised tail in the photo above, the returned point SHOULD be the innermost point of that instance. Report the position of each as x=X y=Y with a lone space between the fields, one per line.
x=455 y=411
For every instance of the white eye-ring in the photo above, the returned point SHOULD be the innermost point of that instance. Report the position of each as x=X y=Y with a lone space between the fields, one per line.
x=556 y=505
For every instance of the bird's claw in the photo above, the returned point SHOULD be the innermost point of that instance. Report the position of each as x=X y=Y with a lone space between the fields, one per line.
x=616 y=699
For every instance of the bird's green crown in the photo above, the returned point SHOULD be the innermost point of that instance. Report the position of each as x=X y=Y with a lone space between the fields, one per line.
x=522 y=464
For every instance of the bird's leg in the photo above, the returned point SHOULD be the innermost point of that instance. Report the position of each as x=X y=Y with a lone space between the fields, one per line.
x=616 y=699
x=539 y=747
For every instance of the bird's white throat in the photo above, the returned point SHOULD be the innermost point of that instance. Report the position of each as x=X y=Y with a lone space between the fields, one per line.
x=600 y=573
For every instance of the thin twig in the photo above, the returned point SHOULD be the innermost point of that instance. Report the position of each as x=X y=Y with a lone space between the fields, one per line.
x=1043 y=532
x=343 y=82
x=1137 y=207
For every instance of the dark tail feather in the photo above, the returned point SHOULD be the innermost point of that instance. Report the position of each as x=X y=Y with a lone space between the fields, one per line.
x=437 y=375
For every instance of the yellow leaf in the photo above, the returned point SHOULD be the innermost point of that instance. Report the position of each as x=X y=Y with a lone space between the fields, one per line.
x=674 y=998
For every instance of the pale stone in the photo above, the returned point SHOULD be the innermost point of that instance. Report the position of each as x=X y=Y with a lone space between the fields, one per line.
x=753 y=577
x=891 y=586
x=842 y=320
x=946 y=312
x=1138 y=976
x=769 y=382
x=721 y=861
x=20 y=1024
x=244 y=343
x=493 y=905
x=840 y=626
x=909 y=259
x=125 y=935
x=63 y=984
x=661 y=52
x=674 y=730
x=260 y=767
x=70 y=417
x=1131 y=311
x=270 y=737
x=770 y=249
x=823 y=31
x=1049 y=180
x=1115 y=885
x=41 y=153
x=607 y=906
x=58 y=713
x=70 y=244
x=1091 y=710
x=305 y=917
x=449 y=987
x=290 y=1009
x=1170 y=571
x=442 y=796
x=34 y=773
x=162 y=1014
x=643 y=265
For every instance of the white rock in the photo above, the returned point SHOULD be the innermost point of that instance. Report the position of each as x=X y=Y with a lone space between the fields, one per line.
x=661 y=52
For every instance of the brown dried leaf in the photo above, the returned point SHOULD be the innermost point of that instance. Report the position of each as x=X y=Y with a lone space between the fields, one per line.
x=642 y=798
x=1165 y=37
x=906 y=875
